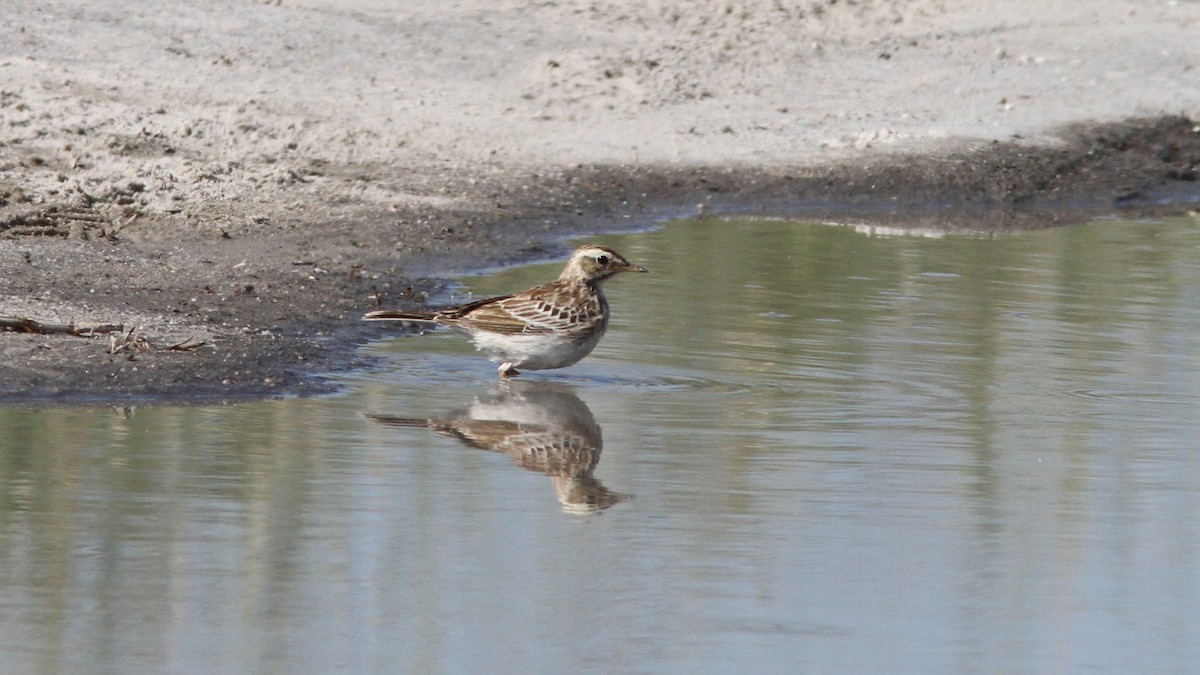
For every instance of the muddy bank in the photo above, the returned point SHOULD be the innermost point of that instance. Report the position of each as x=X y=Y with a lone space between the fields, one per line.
x=1136 y=168
x=276 y=302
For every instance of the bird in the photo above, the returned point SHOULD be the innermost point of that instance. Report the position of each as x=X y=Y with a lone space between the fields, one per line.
x=552 y=325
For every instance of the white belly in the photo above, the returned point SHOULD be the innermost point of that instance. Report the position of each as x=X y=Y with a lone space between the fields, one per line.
x=541 y=351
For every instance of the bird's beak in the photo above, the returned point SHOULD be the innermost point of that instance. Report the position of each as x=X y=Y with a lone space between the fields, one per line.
x=636 y=268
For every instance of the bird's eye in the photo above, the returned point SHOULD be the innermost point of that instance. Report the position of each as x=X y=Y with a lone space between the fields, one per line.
x=602 y=259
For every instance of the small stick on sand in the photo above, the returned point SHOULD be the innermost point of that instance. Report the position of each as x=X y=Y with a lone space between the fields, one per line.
x=131 y=341
x=187 y=345
x=22 y=324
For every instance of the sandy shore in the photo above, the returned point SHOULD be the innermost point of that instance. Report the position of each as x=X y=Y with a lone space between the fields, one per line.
x=254 y=175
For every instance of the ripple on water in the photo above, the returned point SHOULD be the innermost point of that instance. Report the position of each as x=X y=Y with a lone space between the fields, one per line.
x=425 y=369
x=1133 y=396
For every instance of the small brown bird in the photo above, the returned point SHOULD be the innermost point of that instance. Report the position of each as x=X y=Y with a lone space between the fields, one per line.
x=553 y=325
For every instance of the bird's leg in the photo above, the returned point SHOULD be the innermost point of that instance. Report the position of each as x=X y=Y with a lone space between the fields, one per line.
x=507 y=370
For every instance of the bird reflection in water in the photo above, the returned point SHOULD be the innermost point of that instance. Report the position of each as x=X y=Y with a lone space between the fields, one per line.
x=542 y=426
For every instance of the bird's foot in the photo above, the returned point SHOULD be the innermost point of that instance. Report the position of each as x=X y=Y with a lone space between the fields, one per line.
x=507 y=371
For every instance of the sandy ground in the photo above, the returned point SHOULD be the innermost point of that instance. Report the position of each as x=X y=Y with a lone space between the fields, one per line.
x=254 y=175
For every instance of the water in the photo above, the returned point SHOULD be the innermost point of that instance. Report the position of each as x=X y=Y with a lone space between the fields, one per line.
x=799 y=449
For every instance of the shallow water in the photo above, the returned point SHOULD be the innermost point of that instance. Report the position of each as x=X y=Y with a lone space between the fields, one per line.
x=799 y=449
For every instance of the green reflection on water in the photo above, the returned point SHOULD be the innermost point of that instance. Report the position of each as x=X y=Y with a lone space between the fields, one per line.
x=862 y=327
x=845 y=451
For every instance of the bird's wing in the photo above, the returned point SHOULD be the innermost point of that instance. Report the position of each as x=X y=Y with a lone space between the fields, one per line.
x=527 y=313
x=490 y=314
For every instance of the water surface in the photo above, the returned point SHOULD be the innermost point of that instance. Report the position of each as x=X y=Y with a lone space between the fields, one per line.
x=800 y=448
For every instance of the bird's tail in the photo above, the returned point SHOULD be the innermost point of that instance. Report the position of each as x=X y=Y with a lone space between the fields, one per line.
x=394 y=315
x=393 y=421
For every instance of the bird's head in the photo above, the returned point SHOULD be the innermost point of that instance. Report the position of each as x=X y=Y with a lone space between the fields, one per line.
x=596 y=263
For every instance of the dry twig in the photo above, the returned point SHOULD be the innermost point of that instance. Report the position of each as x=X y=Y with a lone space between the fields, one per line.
x=131 y=341
x=187 y=345
x=23 y=324
x=119 y=340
